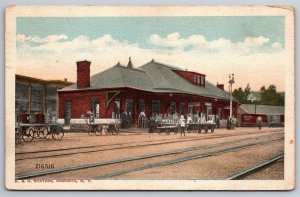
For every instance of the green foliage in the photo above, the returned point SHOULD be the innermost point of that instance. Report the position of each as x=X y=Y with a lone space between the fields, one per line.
x=269 y=96
x=247 y=90
x=242 y=95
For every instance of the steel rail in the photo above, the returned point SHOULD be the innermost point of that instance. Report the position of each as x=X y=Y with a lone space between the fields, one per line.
x=182 y=159
x=122 y=147
x=93 y=146
x=102 y=163
x=252 y=169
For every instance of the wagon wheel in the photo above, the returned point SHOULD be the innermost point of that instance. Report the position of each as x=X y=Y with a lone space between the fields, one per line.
x=189 y=130
x=98 y=130
x=212 y=129
x=199 y=130
x=206 y=129
x=108 y=130
x=28 y=134
x=91 y=130
x=47 y=133
x=36 y=132
x=18 y=136
x=112 y=129
x=58 y=132
x=117 y=130
x=175 y=131
x=41 y=132
x=160 y=131
x=195 y=129
x=167 y=131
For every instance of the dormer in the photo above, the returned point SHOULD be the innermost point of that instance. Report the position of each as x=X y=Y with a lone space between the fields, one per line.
x=199 y=79
x=193 y=77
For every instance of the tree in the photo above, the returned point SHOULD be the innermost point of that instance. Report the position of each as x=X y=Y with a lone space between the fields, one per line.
x=240 y=95
x=247 y=90
x=270 y=96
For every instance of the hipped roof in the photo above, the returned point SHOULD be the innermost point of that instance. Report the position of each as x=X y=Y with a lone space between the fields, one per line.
x=153 y=77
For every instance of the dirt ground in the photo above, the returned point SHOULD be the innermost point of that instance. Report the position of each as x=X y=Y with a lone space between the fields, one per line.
x=79 y=148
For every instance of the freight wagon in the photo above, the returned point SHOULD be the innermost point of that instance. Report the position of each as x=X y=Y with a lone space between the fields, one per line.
x=249 y=120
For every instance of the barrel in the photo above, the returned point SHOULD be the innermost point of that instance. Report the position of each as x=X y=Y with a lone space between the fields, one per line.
x=24 y=117
x=40 y=118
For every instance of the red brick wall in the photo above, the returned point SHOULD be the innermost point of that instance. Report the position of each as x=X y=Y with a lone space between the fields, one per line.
x=81 y=102
x=83 y=74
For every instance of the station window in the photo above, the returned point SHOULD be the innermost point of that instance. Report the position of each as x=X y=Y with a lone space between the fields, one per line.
x=208 y=108
x=117 y=108
x=68 y=111
x=181 y=108
x=191 y=108
x=95 y=108
x=155 y=107
x=220 y=112
x=129 y=106
x=173 y=108
x=202 y=80
x=141 y=105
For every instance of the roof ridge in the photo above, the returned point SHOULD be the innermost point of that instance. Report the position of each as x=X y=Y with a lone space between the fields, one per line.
x=136 y=69
x=162 y=64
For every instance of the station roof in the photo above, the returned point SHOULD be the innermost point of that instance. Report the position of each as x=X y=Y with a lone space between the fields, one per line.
x=153 y=77
x=263 y=109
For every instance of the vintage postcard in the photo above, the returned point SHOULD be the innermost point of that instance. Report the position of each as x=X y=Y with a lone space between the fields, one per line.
x=150 y=98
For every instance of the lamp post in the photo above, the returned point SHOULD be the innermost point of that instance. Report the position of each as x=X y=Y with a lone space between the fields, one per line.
x=231 y=81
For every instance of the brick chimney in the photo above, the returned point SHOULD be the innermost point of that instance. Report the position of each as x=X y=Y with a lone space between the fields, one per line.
x=83 y=74
x=221 y=86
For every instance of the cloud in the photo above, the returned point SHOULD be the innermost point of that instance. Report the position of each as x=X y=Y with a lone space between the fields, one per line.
x=256 y=41
x=51 y=38
x=255 y=60
x=199 y=43
x=174 y=40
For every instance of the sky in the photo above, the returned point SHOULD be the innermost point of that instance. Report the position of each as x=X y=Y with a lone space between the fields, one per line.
x=250 y=47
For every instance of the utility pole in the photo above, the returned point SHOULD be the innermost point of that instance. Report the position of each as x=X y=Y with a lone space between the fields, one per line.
x=231 y=81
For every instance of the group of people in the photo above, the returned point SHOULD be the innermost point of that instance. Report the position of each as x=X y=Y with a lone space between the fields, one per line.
x=195 y=119
x=181 y=121
x=126 y=119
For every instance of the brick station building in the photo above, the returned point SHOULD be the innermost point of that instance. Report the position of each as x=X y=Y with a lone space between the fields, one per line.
x=154 y=88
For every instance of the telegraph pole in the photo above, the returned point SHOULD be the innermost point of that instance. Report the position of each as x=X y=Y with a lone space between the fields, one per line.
x=231 y=81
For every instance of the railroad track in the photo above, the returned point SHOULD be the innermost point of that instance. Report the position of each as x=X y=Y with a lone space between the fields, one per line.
x=254 y=168
x=161 y=142
x=141 y=157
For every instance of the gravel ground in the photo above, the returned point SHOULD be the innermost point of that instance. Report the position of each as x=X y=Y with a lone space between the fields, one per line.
x=207 y=168
x=215 y=167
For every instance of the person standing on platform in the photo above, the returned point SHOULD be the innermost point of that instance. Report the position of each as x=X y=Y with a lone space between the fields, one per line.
x=182 y=125
x=259 y=122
